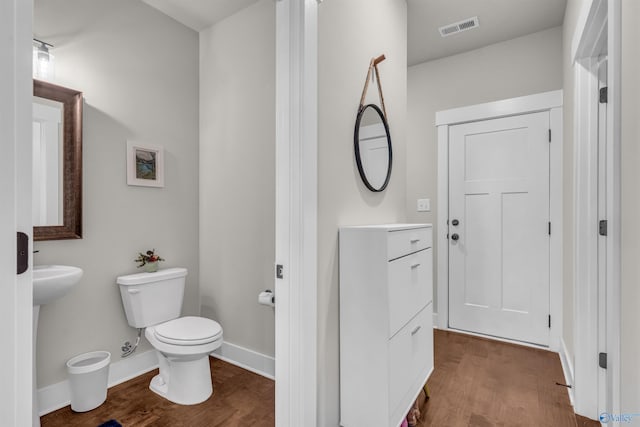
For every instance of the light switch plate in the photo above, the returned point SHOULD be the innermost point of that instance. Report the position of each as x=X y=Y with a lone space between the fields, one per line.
x=424 y=205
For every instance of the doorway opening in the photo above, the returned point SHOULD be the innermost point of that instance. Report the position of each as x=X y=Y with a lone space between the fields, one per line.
x=499 y=233
x=596 y=66
x=541 y=117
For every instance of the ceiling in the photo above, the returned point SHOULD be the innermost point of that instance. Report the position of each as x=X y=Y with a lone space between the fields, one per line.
x=199 y=14
x=500 y=20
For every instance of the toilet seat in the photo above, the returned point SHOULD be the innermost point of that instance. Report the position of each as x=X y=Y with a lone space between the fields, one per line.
x=188 y=330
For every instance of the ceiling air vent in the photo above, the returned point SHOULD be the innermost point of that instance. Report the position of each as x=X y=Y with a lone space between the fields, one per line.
x=464 y=25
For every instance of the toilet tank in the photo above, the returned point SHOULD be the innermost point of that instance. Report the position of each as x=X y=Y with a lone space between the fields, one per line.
x=152 y=298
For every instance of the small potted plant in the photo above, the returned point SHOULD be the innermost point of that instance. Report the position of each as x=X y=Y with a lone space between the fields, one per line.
x=149 y=261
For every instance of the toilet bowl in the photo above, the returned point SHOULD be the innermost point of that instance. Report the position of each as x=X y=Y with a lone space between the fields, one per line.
x=183 y=344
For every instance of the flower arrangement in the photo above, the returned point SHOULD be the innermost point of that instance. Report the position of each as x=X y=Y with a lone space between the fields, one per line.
x=149 y=257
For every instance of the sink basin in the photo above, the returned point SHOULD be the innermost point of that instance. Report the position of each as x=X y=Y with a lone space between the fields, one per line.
x=51 y=282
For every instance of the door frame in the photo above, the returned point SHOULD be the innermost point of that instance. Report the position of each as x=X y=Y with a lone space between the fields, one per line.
x=547 y=101
x=296 y=212
x=16 y=304
x=597 y=30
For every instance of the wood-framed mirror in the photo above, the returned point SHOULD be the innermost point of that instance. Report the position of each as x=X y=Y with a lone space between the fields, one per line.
x=57 y=162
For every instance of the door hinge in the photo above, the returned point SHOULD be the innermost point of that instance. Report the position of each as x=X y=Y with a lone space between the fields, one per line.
x=549 y=135
x=602 y=227
x=549 y=228
x=602 y=360
x=604 y=95
x=549 y=321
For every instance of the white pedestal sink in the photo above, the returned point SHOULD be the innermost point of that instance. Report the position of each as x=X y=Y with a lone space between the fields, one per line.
x=50 y=282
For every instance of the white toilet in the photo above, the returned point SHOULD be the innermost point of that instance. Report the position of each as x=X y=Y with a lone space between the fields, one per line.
x=154 y=301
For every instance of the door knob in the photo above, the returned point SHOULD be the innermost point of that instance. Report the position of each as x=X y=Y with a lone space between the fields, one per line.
x=455 y=236
x=455 y=222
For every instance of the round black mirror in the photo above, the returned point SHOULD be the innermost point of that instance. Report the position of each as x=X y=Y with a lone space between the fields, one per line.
x=372 y=143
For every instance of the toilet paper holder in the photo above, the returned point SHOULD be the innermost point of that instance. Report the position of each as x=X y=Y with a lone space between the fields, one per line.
x=267 y=298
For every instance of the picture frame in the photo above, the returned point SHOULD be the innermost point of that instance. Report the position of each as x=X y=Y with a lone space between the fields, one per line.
x=145 y=165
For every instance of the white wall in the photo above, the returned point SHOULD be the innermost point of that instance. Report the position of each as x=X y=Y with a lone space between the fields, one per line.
x=237 y=174
x=630 y=146
x=350 y=33
x=138 y=70
x=522 y=66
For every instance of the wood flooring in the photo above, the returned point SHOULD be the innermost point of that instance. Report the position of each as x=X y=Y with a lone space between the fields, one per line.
x=476 y=383
x=484 y=383
x=240 y=398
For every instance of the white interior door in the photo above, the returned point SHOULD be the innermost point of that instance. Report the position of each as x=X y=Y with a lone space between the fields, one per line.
x=499 y=227
x=16 y=303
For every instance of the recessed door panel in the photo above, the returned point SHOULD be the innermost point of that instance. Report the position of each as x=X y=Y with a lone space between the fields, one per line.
x=480 y=248
x=516 y=262
x=509 y=158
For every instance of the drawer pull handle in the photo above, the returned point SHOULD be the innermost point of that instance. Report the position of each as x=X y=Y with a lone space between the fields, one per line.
x=416 y=265
x=415 y=240
x=415 y=331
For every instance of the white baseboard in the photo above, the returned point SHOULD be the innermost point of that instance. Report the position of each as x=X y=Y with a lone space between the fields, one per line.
x=56 y=396
x=567 y=368
x=250 y=360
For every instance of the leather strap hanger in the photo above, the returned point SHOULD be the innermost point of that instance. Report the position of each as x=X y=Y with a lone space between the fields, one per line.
x=373 y=69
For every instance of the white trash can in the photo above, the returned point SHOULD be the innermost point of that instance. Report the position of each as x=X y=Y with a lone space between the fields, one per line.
x=88 y=377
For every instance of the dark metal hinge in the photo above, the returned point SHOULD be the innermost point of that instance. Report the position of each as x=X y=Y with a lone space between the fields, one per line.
x=549 y=228
x=549 y=321
x=604 y=95
x=549 y=135
x=602 y=360
x=602 y=227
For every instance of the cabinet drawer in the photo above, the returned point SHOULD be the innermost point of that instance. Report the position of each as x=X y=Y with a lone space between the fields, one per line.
x=403 y=242
x=410 y=287
x=410 y=354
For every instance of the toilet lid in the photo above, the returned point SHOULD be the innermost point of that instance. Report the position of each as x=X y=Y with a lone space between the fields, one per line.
x=189 y=330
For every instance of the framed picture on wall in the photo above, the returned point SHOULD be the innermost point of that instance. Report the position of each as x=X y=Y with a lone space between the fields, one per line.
x=145 y=165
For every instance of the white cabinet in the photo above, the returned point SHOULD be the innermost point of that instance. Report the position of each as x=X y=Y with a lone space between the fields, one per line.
x=386 y=321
